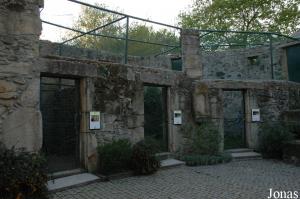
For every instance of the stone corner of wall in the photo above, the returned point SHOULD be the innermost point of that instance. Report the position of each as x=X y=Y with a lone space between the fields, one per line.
x=189 y=32
x=41 y=3
x=20 y=5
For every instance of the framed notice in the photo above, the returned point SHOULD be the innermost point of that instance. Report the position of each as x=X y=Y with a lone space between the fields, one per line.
x=95 y=120
x=255 y=115
x=177 y=117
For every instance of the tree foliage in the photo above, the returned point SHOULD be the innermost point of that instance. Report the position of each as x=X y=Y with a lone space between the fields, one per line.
x=281 y=16
x=91 y=18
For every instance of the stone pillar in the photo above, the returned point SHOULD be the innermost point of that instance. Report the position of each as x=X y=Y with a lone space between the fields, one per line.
x=20 y=118
x=191 y=54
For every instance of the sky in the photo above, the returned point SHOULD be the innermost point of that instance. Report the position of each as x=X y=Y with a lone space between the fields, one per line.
x=65 y=13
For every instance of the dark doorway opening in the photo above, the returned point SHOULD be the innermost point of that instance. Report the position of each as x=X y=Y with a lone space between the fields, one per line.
x=234 y=119
x=155 y=109
x=293 y=60
x=61 y=122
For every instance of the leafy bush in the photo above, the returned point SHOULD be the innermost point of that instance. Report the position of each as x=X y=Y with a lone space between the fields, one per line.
x=22 y=174
x=114 y=157
x=143 y=159
x=196 y=160
x=272 y=138
x=156 y=144
x=295 y=129
x=204 y=139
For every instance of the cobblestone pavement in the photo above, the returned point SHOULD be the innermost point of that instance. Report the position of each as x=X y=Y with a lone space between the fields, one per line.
x=235 y=180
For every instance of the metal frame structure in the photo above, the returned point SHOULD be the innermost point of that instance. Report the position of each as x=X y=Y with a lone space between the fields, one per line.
x=127 y=39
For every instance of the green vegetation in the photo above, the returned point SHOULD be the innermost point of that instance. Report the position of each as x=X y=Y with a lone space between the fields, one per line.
x=247 y=15
x=119 y=156
x=203 y=145
x=114 y=157
x=233 y=141
x=295 y=129
x=272 y=139
x=196 y=160
x=143 y=159
x=205 y=138
x=22 y=174
x=91 y=18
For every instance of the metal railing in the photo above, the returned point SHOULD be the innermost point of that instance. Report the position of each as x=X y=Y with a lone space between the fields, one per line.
x=206 y=36
x=229 y=39
x=126 y=37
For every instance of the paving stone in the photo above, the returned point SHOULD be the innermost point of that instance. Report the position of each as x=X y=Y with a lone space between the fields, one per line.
x=246 y=179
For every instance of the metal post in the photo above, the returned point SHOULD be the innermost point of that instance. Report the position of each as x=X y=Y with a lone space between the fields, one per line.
x=180 y=42
x=271 y=55
x=60 y=49
x=126 y=41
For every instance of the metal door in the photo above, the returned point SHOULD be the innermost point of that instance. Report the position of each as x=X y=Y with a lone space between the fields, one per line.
x=155 y=111
x=234 y=119
x=293 y=60
x=61 y=122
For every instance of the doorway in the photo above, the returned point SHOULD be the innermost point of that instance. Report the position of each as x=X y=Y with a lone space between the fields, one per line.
x=293 y=62
x=234 y=119
x=155 y=111
x=60 y=107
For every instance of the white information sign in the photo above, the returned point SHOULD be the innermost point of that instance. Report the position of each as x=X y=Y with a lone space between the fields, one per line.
x=177 y=117
x=95 y=120
x=255 y=115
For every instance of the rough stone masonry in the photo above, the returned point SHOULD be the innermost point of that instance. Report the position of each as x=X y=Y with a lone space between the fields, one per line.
x=20 y=118
x=116 y=90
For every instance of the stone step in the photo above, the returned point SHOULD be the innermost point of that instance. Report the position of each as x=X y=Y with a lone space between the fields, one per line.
x=71 y=181
x=167 y=163
x=164 y=155
x=240 y=150
x=66 y=173
x=246 y=156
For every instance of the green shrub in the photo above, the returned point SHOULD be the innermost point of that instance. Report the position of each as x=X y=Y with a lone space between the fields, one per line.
x=204 y=139
x=143 y=159
x=22 y=174
x=114 y=157
x=272 y=138
x=294 y=129
x=196 y=160
x=157 y=145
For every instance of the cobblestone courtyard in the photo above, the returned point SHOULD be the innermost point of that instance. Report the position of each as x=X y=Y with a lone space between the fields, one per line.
x=235 y=180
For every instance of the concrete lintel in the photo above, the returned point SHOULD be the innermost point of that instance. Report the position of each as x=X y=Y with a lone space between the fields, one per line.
x=64 y=67
x=86 y=68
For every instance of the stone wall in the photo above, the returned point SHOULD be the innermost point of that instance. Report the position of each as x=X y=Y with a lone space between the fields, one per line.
x=49 y=48
x=117 y=91
x=191 y=54
x=122 y=103
x=273 y=98
x=20 y=118
x=244 y=63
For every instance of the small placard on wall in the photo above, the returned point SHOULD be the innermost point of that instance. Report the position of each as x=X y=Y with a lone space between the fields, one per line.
x=177 y=117
x=255 y=115
x=95 y=120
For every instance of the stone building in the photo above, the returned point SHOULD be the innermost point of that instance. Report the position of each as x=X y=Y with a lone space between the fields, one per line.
x=46 y=100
